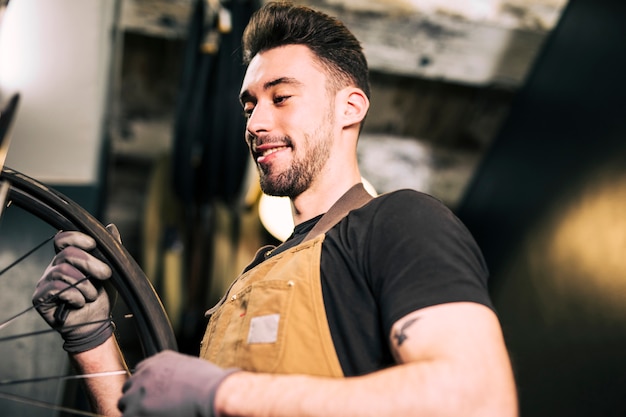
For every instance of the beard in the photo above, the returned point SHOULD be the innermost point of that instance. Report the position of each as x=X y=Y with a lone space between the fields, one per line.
x=298 y=177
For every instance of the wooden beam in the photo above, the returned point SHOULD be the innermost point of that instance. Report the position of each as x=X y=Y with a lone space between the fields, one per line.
x=158 y=18
x=442 y=47
x=447 y=46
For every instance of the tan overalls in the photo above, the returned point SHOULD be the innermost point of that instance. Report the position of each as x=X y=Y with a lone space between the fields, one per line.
x=272 y=319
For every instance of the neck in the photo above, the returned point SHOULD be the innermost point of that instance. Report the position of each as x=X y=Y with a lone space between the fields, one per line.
x=320 y=197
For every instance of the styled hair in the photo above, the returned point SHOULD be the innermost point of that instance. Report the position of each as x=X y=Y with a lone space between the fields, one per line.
x=281 y=23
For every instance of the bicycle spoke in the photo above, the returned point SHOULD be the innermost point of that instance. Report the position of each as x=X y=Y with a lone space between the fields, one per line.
x=25 y=335
x=10 y=320
x=46 y=405
x=62 y=377
x=26 y=255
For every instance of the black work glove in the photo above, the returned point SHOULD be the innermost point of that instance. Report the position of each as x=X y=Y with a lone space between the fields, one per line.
x=172 y=384
x=70 y=295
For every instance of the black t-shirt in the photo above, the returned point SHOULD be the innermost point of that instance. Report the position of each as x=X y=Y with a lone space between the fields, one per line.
x=402 y=251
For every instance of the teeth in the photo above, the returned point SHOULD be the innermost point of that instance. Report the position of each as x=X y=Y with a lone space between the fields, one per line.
x=271 y=151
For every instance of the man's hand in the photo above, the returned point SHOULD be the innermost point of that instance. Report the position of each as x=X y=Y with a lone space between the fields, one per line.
x=70 y=295
x=172 y=384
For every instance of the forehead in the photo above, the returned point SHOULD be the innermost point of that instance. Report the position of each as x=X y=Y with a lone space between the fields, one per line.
x=295 y=62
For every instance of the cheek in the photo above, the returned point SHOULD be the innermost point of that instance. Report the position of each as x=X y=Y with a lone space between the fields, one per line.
x=310 y=120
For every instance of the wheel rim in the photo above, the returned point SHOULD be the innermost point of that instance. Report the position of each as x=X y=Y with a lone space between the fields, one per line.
x=141 y=312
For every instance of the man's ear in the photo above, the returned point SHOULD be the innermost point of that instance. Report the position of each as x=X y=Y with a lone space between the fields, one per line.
x=353 y=107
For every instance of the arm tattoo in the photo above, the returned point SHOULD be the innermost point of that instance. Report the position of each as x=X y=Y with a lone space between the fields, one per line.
x=401 y=336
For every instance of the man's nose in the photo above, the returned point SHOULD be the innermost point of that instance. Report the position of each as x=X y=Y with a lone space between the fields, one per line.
x=260 y=120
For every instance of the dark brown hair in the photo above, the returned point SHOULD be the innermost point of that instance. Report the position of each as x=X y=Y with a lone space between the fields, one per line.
x=281 y=23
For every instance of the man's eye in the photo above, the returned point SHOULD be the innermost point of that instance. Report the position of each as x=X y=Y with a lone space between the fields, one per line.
x=247 y=111
x=280 y=99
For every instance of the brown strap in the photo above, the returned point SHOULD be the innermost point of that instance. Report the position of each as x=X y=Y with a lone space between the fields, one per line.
x=354 y=198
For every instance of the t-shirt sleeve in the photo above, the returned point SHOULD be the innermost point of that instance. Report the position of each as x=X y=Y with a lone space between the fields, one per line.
x=420 y=255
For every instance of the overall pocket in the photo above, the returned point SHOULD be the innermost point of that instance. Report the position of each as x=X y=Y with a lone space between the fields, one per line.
x=248 y=330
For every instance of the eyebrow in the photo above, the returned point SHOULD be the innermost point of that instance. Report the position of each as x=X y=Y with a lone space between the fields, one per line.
x=245 y=95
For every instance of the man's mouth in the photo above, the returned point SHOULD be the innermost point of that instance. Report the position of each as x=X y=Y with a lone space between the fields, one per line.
x=266 y=152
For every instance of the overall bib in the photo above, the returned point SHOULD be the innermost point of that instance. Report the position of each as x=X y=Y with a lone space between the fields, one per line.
x=272 y=319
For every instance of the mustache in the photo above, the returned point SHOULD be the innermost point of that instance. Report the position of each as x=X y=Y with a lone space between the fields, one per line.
x=258 y=140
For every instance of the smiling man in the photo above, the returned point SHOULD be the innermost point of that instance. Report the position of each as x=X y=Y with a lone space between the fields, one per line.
x=374 y=306
x=302 y=128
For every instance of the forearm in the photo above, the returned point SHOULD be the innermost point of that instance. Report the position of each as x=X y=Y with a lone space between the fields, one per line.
x=104 y=391
x=416 y=389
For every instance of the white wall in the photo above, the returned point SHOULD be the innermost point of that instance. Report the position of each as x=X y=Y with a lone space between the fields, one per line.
x=56 y=54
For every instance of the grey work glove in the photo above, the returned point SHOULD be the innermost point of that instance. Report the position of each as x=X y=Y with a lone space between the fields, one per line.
x=172 y=384
x=81 y=314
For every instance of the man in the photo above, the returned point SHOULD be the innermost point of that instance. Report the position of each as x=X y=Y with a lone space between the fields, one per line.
x=372 y=307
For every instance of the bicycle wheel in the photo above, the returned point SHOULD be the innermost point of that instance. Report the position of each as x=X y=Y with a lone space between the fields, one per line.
x=33 y=213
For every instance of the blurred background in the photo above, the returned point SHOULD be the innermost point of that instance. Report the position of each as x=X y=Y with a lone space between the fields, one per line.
x=509 y=111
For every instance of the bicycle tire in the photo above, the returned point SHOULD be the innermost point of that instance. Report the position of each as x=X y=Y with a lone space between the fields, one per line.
x=154 y=330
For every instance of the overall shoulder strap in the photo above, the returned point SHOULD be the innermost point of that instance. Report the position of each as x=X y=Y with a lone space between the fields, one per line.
x=354 y=198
